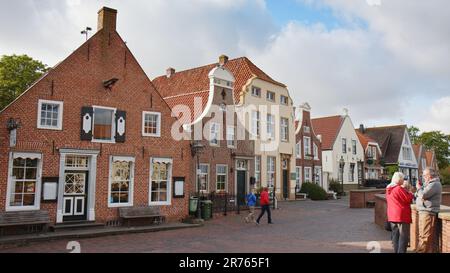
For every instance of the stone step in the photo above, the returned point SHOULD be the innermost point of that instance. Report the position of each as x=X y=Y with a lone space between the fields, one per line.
x=76 y=225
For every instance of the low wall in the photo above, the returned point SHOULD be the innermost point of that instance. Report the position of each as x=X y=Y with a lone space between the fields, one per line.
x=360 y=197
x=442 y=244
x=446 y=199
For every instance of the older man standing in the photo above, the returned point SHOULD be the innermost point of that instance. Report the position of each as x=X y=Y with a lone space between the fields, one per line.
x=428 y=203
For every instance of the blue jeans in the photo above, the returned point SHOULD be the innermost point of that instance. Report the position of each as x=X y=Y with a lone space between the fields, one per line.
x=265 y=208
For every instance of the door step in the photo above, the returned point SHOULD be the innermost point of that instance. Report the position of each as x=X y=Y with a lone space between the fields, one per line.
x=73 y=225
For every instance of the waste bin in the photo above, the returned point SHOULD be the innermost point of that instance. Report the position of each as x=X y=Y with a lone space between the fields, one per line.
x=206 y=207
x=193 y=202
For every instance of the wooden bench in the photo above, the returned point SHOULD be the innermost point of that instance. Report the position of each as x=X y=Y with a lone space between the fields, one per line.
x=31 y=219
x=301 y=195
x=131 y=213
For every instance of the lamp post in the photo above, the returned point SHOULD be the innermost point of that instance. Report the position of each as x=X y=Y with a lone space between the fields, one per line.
x=341 y=166
x=196 y=147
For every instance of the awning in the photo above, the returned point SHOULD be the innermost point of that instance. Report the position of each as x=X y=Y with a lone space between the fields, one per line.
x=27 y=155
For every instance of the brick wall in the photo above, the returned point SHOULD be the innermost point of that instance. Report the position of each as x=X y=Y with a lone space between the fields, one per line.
x=446 y=199
x=445 y=222
x=359 y=198
x=77 y=81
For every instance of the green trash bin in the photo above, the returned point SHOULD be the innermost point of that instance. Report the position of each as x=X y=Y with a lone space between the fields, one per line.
x=193 y=202
x=206 y=207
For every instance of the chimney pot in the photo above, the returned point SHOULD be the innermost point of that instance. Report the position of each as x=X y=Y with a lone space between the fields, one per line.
x=170 y=71
x=107 y=19
x=361 y=128
x=223 y=59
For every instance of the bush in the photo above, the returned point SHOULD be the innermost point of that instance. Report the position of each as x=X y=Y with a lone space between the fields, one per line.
x=445 y=176
x=314 y=191
x=335 y=186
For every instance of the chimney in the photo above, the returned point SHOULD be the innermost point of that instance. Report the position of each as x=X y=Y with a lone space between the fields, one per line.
x=223 y=59
x=170 y=71
x=107 y=19
x=361 y=128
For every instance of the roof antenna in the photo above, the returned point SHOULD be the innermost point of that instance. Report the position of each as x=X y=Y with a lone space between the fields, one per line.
x=86 y=32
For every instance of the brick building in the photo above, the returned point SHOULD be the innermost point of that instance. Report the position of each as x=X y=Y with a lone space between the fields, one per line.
x=93 y=136
x=203 y=98
x=373 y=168
x=308 y=149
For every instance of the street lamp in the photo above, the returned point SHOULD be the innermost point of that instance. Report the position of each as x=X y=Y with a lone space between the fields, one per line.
x=196 y=147
x=341 y=166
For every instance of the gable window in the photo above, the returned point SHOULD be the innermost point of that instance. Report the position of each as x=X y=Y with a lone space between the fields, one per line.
x=307 y=174
x=298 y=151
x=351 y=172
x=231 y=137
x=203 y=177
x=344 y=146
x=424 y=163
x=160 y=178
x=306 y=129
x=284 y=100
x=256 y=91
x=103 y=123
x=316 y=152
x=270 y=96
x=406 y=153
x=307 y=146
x=270 y=171
x=257 y=171
x=151 y=124
x=214 y=133
x=271 y=126
x=221 y=177
x=284 y=129
x=354 y=147
x=298 y=178
x=121 y=181
x=24 y=181
x=50 y=114
x=374 y=152
x=255 y=123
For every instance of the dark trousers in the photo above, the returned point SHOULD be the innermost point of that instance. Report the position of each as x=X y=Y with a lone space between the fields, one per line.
x=265 y=208
x=400 y=237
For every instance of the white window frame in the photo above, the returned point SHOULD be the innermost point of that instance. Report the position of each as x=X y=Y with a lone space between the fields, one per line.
x=158 y=125
x=258 y=95
x=60 y=114
x=258 y=170
x=216 y=127
x=131 y=185
x=285 y=98
x=197 y=185
x=284 y=126
x=256 y=123
x=308 y=178
x=37 y=192
x=113 y=124
x=169 y=182
x=298 y=149
x=271 y=169
x=270 y=94
x=226 y=176
x=344 y=145
x=315 y=151
x=231 y=128
x=298 y=176
x=351 y=175
x=306 y=146
x=270 y=126
x=354 y=146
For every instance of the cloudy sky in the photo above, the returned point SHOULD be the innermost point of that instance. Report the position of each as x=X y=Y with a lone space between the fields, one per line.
x=387 y=61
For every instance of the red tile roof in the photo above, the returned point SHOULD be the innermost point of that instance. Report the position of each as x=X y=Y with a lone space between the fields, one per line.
x=364 y=139
x=416 y=149
x=429 y=158
x=196 y=79
x=329 y=128
x=189 y=100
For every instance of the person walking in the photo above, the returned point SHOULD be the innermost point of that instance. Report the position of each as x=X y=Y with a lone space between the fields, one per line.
x=265 y=206
x=428 y=203
x=251 y=202
x=399 y=198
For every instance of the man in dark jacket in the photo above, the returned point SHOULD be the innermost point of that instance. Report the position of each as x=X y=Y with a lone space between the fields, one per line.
x=265 y=206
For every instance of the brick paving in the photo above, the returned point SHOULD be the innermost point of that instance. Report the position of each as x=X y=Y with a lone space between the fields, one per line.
x=300 y=226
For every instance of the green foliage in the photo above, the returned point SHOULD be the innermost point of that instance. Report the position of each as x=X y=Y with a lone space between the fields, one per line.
x=440 y=143
x=335 y=186
x=445 y=176
x=413 y=134
x=314 y=191
x=391 y=169
x=17 y=73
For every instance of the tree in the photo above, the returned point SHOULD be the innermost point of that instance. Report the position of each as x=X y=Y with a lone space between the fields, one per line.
x=17 y=73
x=413 y=133
x=440 y=143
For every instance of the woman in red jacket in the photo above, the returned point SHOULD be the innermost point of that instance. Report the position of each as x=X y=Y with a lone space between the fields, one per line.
x=399 y=211
x=265 y=206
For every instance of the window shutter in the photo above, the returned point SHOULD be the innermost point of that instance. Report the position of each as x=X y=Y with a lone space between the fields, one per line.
x=87 y=117
x=120 y=125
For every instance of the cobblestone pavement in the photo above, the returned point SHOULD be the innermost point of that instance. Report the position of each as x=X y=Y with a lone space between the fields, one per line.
x=300 y=226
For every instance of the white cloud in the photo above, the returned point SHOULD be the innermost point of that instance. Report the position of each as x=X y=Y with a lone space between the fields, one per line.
x=437 y=116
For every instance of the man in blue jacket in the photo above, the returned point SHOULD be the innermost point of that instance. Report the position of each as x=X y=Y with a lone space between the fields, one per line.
x=251 y=202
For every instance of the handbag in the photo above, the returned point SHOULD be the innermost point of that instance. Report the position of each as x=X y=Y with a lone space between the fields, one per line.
x=387 y=226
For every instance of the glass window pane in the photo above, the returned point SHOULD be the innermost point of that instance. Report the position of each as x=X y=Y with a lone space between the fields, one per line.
x=28 y=200
x=31 y=173
x=103 y=123
x=18 y=173
x=19 y=162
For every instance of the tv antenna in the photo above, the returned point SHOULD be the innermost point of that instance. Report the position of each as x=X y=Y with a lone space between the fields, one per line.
x=86 y=32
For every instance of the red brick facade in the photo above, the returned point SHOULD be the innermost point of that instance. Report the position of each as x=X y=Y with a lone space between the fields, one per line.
x=78 y=82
